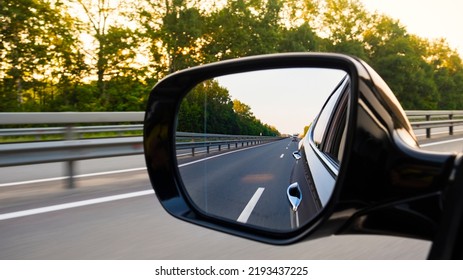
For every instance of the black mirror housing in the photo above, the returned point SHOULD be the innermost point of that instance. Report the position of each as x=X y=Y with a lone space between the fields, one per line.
x=386 y=185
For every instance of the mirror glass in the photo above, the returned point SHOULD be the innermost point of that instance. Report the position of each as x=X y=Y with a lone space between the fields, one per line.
x=256 y=147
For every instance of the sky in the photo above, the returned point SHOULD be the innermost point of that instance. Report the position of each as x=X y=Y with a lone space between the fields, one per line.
x=288 y=99
x=430 y=19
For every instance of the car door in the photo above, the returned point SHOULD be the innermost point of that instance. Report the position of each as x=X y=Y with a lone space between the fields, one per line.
x=320 y=154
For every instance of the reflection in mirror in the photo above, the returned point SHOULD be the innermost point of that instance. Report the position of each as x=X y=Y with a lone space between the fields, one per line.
x=297 y=155
x=245 y=144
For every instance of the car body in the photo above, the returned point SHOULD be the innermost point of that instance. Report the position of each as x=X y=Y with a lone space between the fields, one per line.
x=365 y=163
x=318 y=157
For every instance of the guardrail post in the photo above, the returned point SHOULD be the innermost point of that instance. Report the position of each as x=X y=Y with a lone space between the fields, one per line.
x=451 y=125
x=70 y=135
x=428 y=130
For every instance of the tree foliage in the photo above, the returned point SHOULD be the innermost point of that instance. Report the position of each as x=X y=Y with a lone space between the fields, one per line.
x=208 y=108
x=39 y=55
x=85 y=55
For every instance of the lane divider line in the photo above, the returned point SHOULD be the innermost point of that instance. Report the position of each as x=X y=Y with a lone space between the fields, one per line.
x=64 y=206
x=282 y=155
x=243 y=218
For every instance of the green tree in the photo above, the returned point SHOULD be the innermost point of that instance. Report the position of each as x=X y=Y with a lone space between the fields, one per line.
x=39 y=54
x=344 y=22
x=248 y=124
x=207 y=109
x=448 y=74
x=299 y=39
x=173 y=30
x=399 y=59
x=298 y=12
x=115 y=44
x=243 y=28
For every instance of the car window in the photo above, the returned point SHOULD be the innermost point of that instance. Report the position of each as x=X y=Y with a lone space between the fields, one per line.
x=323 y=121
x=336 y=132
x=329 y=129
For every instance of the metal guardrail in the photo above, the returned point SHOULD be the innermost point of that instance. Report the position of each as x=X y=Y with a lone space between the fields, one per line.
x=71 y=149
x=420 y=119
x=70 y=117
x=68 y=151
x=193 y=141
x=78 y=130
x=219 y=144
x=429 y=113
x=451 y=119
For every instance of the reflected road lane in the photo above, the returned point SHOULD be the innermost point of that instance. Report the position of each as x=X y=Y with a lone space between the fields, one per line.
x=253 y=180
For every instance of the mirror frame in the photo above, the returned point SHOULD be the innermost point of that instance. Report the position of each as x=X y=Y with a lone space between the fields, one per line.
x=357 y=205
x=160 y=129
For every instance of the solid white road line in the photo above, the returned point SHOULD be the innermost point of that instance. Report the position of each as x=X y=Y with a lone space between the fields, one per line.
x=46 y=209
x=243 y=218
x=435 y=133
x=116 y=171
x=73 y=205
x=76 y=176
x=221 y=155
x=33 y=181
x=441 y=142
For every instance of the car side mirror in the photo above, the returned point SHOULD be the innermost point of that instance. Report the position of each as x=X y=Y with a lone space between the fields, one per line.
x=297 y=155
x=219 y=149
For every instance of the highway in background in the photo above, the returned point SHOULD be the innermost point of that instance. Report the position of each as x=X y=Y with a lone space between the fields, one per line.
x=114 y=214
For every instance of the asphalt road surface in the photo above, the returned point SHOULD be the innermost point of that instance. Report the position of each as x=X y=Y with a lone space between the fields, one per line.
x=114 y=214
x=246 y=185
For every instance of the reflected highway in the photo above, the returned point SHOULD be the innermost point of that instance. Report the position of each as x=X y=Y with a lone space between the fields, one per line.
x=113 y=214
x=246 y=185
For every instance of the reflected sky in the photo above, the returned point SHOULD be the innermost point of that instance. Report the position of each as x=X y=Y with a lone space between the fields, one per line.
x=288 y=99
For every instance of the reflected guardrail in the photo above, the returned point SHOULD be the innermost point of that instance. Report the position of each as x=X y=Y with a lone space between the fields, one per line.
x=194 y=141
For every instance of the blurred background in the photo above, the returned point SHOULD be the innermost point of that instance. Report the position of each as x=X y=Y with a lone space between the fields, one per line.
x=105 y=56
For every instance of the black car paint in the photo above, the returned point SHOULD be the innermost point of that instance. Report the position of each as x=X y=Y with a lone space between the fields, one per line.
x=386 y=184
